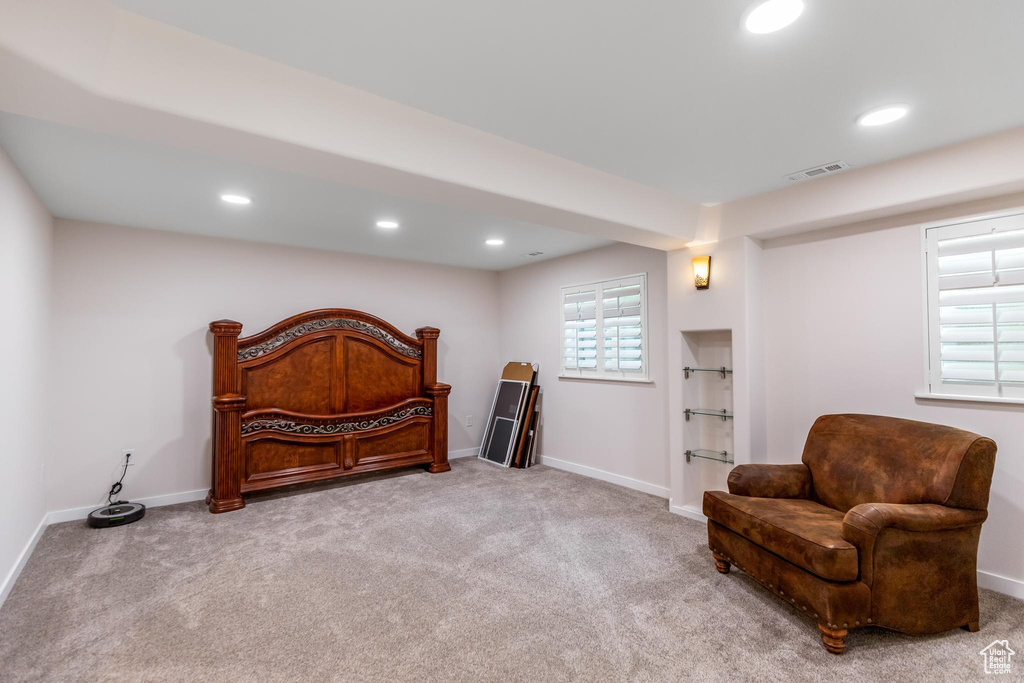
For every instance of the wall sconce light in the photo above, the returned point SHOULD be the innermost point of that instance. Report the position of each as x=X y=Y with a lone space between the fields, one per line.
x=701 y=272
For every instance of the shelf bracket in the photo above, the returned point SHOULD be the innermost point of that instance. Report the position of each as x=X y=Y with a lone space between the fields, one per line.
x=687 y=414
x=686 y=375
x=688 y=452
x=722 y=371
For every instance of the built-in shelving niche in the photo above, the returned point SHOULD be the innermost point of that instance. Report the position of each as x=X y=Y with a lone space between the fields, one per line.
x=708 y=398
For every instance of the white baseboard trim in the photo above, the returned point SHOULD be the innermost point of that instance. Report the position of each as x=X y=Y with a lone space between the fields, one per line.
x=687 y=511
x=595 y=473
x=58 y=516
x=73 y=514
x=1001 y=584
x=464 y=453
x=12 y=576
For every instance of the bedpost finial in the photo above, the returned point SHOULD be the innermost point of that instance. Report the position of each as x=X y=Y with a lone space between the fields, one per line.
x=427 y=333
x=438 y=389
x=226 y=327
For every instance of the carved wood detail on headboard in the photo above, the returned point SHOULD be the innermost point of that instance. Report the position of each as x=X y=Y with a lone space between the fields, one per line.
x=322 y=394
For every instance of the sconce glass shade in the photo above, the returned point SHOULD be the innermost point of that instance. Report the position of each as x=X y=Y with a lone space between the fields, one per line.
x=701 y=272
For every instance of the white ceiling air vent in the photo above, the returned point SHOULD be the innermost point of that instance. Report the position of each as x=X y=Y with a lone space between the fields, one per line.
x=824 y=169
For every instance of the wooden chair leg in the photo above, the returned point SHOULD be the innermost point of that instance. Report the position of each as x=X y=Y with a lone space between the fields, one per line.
x=834 y=640
x=721 y=564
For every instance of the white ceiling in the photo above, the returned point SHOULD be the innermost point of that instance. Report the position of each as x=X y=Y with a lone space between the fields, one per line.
x=671 y=94
x=91 y=176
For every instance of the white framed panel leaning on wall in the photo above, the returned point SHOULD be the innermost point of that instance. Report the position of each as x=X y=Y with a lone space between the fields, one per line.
x=974 y=317
x=604 y=330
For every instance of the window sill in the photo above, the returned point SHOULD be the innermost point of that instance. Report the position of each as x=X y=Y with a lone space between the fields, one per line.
x=972 y=399
x=616 y=380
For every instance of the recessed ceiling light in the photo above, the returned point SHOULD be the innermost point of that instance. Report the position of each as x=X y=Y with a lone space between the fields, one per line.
x=773 y=15
x=494 y=242
x=883 y=115
x=387 y=225
x=236 y=199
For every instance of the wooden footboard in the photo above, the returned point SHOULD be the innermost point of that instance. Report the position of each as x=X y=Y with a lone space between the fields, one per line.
x=323 y=394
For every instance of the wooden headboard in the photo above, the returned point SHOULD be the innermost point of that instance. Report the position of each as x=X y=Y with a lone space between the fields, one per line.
x=323 y=394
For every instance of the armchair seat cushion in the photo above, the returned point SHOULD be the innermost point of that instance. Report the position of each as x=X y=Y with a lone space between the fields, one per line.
x=806 y=533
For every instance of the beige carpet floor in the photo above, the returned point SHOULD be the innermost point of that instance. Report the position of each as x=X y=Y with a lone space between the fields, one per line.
x=480 y=574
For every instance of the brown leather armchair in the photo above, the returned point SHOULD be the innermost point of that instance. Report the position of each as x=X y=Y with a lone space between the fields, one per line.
x=878 y=527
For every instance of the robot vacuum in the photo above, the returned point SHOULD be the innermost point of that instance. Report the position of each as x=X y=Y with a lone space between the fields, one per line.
x=117 y=514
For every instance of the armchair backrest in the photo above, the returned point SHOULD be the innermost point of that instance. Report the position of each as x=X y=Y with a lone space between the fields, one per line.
x=857 y=459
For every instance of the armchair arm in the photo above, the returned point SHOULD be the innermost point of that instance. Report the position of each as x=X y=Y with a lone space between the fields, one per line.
x=868 y=519
x=863 y=524
x=771 y=481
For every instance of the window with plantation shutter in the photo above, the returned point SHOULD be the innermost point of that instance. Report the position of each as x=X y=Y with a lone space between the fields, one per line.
x=976 y=307
x=604 y=329
x=580 y=327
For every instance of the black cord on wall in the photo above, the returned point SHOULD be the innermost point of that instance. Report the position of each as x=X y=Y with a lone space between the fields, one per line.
x=116 y=488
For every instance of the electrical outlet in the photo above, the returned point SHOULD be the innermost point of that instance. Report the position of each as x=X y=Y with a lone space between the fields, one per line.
x=127 y=454
x=469 y=420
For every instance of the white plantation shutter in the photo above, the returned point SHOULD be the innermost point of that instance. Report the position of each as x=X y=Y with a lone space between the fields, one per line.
x=580 y=329
x=604 y=329
x=622 y=336
x=976 y=307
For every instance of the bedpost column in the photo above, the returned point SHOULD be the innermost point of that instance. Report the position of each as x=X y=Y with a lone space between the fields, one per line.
x=439 y=392
x=228 y=404
x=429 y=335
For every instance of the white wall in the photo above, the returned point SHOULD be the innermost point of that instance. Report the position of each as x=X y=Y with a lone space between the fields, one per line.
x=131 y=357
x=614 y=427
x=732 y=302
x=843 y=332
x=833 y=323
x=25 y=240
x=981 y=169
